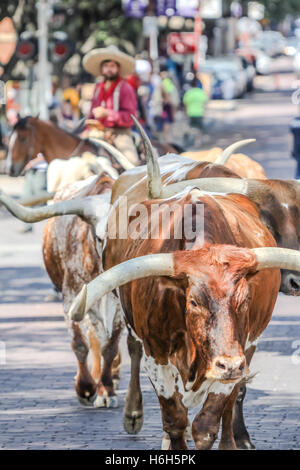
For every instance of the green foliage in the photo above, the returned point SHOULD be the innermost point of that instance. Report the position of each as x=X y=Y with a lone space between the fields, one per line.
x=277 y=9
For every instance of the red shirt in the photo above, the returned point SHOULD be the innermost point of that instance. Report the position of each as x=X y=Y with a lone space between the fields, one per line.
x=126 y=105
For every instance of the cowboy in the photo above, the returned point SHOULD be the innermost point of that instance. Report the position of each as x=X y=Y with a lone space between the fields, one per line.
x=114 y=100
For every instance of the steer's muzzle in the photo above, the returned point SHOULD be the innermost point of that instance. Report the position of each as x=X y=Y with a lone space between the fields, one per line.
x=228 y=368
x=290 y=282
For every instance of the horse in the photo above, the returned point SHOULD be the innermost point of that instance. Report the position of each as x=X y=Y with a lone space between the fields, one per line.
x=31 y=136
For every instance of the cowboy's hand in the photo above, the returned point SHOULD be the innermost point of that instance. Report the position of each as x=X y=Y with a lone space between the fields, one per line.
x=100 y=112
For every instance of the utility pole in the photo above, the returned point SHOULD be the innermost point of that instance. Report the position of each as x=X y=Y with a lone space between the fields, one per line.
x=44 y=80
x=197 y=36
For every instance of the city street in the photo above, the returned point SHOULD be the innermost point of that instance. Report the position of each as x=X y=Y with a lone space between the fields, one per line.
x=38 y=406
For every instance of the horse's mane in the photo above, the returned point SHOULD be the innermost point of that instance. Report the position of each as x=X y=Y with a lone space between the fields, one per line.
x=21 y=123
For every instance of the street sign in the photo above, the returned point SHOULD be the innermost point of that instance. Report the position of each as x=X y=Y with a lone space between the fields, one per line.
x=187 y=8
x=211 y=9
x=165 y=7
x=135 y=8
x=8 y=40
x=181 y=43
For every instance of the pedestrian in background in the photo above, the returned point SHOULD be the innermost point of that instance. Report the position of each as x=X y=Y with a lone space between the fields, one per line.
x=295 y=130
x=170 y=97
x=194 y=101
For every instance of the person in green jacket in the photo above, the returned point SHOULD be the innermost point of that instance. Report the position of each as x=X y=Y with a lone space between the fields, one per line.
x=195 y=100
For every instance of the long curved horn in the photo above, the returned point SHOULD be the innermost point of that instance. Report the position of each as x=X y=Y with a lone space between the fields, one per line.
x=72 y=206
x=226 y=154
x=124 y=162
x=282 y=258
x=136 y=268
x=219 y=185
x=154 y=184
x=41 y=198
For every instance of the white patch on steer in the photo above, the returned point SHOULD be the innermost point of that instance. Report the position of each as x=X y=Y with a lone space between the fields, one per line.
x=284 y=204
x=197 y=399
x=109 y=313
x=165 y=378
x=97 y=209
x=250 y=343
x=133 y=333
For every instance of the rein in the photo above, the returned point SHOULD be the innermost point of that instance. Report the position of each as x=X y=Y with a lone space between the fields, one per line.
x=77 y=150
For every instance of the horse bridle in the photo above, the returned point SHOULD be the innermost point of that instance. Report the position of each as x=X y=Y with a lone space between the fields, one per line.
x=30 y=155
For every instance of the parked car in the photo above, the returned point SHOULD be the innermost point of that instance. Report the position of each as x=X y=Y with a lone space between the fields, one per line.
x=229 y=77
x=292 y=46
x=296 y=65
x=272 y=43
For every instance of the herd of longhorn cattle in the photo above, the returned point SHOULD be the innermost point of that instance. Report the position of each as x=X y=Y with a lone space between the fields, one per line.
x=194 y=305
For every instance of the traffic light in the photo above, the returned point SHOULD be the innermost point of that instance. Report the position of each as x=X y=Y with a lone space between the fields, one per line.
x=61 y=48
x=27 y=46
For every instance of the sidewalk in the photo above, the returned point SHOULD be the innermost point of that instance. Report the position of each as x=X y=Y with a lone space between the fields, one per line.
x=10 y=185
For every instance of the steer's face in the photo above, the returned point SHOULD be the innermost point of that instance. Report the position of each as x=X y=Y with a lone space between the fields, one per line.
x=280 y=212
x=217 y=309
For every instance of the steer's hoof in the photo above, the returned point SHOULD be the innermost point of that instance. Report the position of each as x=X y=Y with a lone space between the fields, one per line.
x=88 y=400
x=116 y=383
x=133 y=423
x=244 y=444
x=166 y=442
x=106 y=402
x=112 y=402
x=99 y=402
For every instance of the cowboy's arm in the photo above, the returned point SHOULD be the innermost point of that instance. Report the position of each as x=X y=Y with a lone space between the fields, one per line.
x=95 y=102
x=128 y=106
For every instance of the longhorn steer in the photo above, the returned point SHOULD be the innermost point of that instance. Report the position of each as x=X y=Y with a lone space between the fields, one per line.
x=72 y=250
x=197 y=311
x=241 y=164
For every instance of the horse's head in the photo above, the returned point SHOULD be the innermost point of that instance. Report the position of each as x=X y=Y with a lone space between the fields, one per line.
x=23 y=145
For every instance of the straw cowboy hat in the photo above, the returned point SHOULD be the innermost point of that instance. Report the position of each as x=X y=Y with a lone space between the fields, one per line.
x=93 y=59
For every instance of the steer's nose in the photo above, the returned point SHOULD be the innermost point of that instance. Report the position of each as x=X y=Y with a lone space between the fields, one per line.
x=228 y=368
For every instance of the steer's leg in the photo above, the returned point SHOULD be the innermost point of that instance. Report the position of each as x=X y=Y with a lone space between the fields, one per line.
x=105 y=342
x=85 y=385
x=175 y=421
x=206 y=424
x=168 y=385
x=96 y=352
x=109 y=353
x=241 y=435
x=227 y=441
x=133 y=410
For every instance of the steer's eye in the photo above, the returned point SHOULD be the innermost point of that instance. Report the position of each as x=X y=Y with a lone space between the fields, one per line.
x=23 y=139
x=193 y=303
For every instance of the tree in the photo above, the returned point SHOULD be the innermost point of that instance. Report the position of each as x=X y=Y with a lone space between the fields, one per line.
x=89 y=23
x=277 y=9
